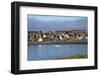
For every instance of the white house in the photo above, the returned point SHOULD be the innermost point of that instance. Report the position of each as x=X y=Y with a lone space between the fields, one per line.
x=40 y=39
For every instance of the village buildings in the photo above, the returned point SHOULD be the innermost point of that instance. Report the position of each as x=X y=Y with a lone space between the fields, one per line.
x=39 y=36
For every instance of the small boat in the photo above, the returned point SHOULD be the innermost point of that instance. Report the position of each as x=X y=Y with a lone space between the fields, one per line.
x=57 y=46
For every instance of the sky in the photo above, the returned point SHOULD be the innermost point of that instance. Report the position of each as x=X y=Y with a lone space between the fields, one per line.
x=56 y=23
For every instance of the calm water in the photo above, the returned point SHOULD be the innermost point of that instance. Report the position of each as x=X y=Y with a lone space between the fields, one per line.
x=47 y=52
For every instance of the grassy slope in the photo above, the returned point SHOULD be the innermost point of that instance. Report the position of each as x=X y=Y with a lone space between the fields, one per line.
x=74 y=57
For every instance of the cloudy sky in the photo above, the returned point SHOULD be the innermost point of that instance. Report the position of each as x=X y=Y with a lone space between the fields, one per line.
x=56 y=23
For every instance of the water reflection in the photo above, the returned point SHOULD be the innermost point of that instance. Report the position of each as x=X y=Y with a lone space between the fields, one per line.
x=49 y=52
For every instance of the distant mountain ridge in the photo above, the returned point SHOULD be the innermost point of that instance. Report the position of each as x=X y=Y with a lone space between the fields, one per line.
x=37 y=25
